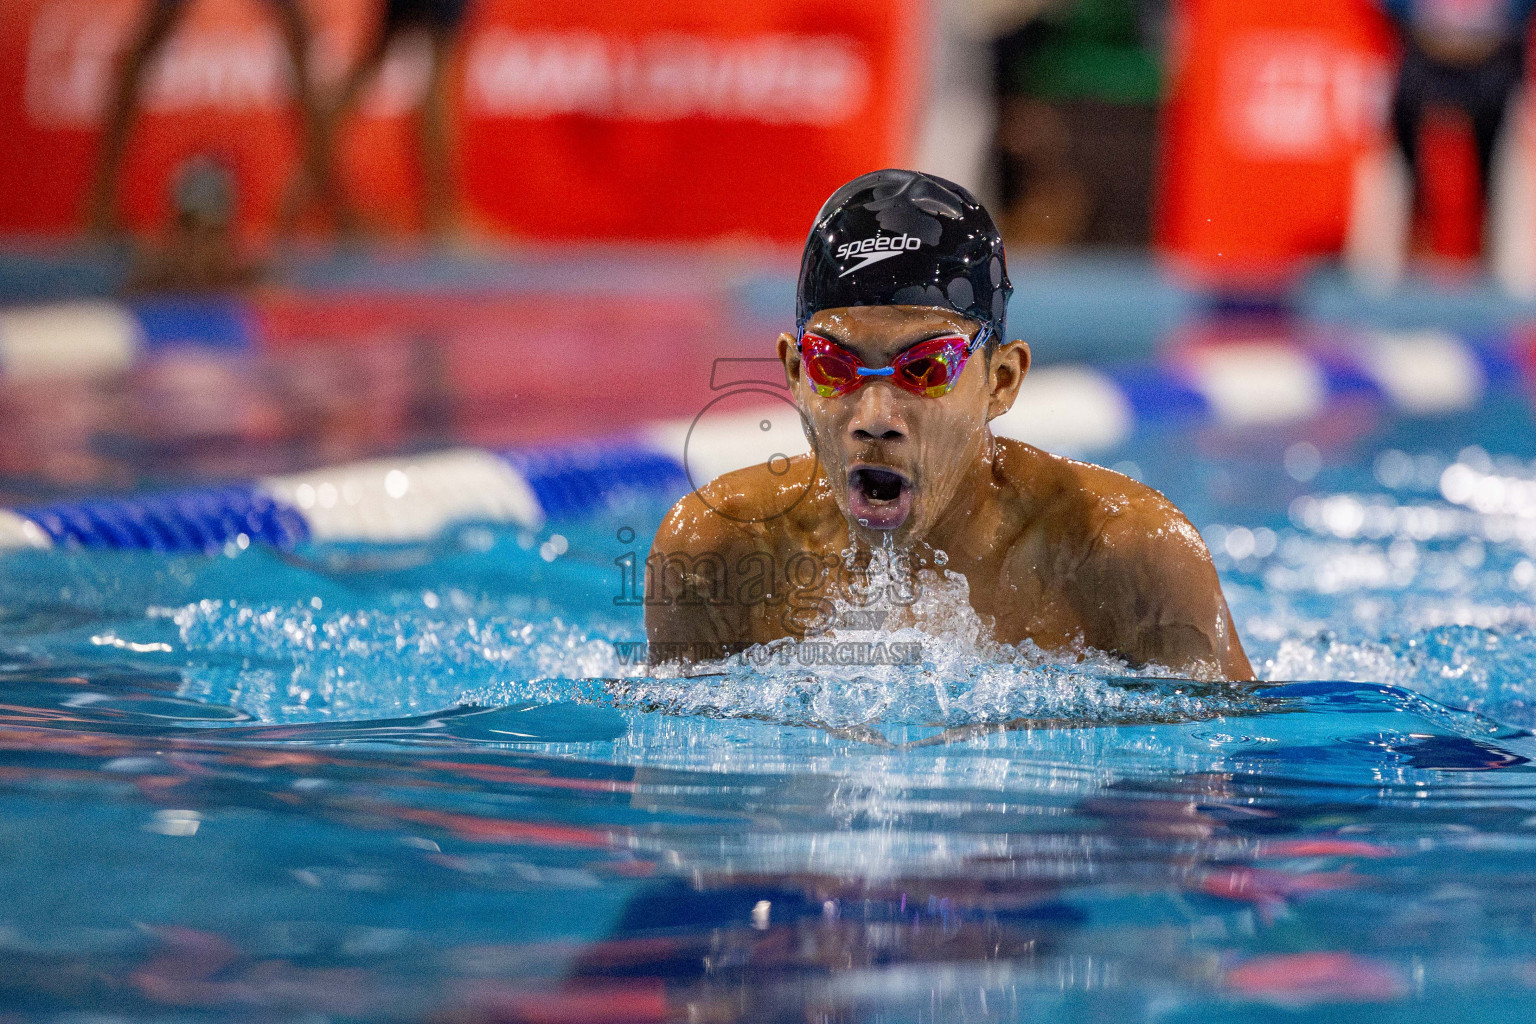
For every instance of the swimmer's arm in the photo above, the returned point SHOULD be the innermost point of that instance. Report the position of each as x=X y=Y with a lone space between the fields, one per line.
x=1159 y=599
x=682 y=623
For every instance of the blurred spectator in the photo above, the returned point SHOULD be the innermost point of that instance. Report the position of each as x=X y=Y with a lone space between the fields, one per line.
x=960 y=125
x=1462 y=59
x=439 y=21
x=200 y=251
x=1462 y=69
x=1079 y=87
x=160 y=21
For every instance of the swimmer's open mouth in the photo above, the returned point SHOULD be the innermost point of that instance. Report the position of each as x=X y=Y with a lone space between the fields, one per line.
x=878 y=485
x=879 y=498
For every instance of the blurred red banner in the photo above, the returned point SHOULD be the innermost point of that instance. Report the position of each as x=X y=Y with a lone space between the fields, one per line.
x=670 y=120
x=1270 y=105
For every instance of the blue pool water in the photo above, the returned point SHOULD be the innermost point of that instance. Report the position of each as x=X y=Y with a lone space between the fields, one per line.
x=430 y=783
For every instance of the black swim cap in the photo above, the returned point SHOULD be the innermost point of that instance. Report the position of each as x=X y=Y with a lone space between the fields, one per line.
x=903 y=238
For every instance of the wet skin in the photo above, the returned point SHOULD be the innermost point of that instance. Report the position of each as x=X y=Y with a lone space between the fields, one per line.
x=1055 y=551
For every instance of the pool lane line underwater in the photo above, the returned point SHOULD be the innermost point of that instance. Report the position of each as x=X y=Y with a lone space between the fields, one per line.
x=1072 y=409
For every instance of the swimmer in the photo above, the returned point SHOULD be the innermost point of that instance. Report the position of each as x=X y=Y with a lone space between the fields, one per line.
x=898 y=363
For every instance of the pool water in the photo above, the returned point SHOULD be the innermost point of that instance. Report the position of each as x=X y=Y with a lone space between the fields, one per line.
x=431 y=782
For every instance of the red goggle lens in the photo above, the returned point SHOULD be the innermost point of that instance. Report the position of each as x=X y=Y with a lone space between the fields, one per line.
x=833 y=370
x=931 y=367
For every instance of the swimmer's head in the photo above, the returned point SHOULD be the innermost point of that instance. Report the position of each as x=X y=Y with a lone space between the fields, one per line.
x=895 y=260
x=903 y=238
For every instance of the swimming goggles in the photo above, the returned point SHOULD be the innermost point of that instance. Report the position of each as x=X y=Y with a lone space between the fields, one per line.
x=929 y=368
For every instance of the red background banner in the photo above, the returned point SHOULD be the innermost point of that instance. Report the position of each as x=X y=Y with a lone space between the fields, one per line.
x=1270 y=104
x=671 y=120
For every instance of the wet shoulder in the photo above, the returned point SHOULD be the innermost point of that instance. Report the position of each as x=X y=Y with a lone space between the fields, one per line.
x=740 y=509
x=1094 y=509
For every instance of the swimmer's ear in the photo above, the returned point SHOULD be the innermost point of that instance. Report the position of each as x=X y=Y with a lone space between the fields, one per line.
x=1006 y=370
x=789 y=355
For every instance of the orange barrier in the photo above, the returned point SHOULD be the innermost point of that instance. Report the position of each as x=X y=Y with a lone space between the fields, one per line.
x=1270 y=105
x=669 y=120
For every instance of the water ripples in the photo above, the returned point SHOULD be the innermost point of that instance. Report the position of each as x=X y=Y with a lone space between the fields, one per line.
x=436 y=783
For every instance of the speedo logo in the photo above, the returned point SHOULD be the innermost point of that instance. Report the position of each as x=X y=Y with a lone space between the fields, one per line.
x=873 y=250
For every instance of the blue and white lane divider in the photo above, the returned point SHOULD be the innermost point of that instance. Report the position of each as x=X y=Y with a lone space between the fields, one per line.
x=99 y=338
x=69 y=340
x=1072 y=409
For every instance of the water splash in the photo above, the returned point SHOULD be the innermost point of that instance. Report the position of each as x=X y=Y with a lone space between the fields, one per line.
x=950 y=685
x=285 y=663
x=932 y=661
x=1431 y=591
x=1490 y=671
x=295 y=663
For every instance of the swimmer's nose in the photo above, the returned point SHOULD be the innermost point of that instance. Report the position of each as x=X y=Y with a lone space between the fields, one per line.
x=877 y=414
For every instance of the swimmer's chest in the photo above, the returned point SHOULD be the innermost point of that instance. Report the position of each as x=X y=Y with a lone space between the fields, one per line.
x=797 y=590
